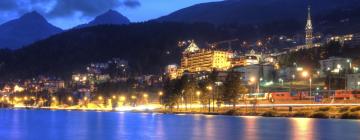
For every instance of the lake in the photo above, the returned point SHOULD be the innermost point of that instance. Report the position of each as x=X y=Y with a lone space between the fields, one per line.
x=78 y=125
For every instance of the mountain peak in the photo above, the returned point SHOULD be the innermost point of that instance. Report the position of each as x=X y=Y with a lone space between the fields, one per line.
x=34 y=15
x=111 y=11
x=110 y=17
x=25 y=30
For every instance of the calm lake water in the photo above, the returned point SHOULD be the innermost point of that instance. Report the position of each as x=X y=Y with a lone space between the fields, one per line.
x=77 y=125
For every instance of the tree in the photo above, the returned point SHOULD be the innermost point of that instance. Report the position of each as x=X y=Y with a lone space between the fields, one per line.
x=233 y=89
x=172 y=93
x=188 y=86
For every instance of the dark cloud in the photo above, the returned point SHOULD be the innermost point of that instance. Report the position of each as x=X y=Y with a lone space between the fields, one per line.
x=65 y=8
x=132 y=3
x=6 y=5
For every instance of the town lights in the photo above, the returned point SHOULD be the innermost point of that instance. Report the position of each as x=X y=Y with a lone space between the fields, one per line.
x=114 y=97
x=122 y=98
x=209 y=88
x=281 y=81
x=133 y=97
x=252 y=79
x=70 y=99
x=160 y=93
x=198 y=93
x=100 y=98
x=145 y=95
x=77 y=78
x=53 y=98
x=305 y=74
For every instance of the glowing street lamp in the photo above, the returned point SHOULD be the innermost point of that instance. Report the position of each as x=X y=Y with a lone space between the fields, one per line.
x=198 y=93
x=160 y=93
x=70 y=99
x=122 y=98
x=209 y=88
x=133 y=97
x=145 y=95
x=281 y=81
x=160 y=97
x=100 y=98
x=252 y=79
x=305 y=74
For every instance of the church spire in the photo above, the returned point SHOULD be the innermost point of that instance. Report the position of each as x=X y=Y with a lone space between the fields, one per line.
x=309 y=22
x=309 y=30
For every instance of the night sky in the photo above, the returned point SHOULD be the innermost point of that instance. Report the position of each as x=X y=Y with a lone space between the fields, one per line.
x=69 y=13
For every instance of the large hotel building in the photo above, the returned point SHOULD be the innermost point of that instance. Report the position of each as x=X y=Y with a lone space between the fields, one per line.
x=196 y=60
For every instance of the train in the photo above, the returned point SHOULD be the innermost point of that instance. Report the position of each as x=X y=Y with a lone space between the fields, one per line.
x=304 y=95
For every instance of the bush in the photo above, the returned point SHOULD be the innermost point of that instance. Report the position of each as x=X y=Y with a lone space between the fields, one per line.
x=269 y=114
x=354 y=109
x=322 y=115
x=301 y=114
x=324 y=109
x=344 y=109
x=350 y=115
x=232 y=112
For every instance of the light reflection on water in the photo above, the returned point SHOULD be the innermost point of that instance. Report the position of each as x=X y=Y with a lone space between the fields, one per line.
x=250 y=128
x=302 y=128
x=72 y=125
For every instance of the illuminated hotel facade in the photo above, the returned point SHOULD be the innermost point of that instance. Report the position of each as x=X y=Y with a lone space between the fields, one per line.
x=197 y=60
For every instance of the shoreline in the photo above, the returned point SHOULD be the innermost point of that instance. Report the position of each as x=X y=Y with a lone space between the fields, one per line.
x=315 y=113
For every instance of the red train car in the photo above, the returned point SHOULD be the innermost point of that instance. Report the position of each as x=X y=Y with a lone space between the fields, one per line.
x=289 y=96
x=344 y=94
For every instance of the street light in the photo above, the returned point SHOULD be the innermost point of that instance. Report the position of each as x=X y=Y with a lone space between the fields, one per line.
x=145 y=95
x=281 y=81
x=252 y=79
x=305 y=74
x=349 y=61
x=122 y=98
x=257 y=82
x=198 y=93
x=70 y=99
x=210 y=89
x=160 y=96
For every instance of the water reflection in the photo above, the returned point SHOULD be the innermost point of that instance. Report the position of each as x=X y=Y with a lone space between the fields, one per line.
x=302 y=128
x=65 y=125
x=250 y=128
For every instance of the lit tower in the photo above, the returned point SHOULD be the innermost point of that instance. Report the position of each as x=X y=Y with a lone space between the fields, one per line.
x=309 y=30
